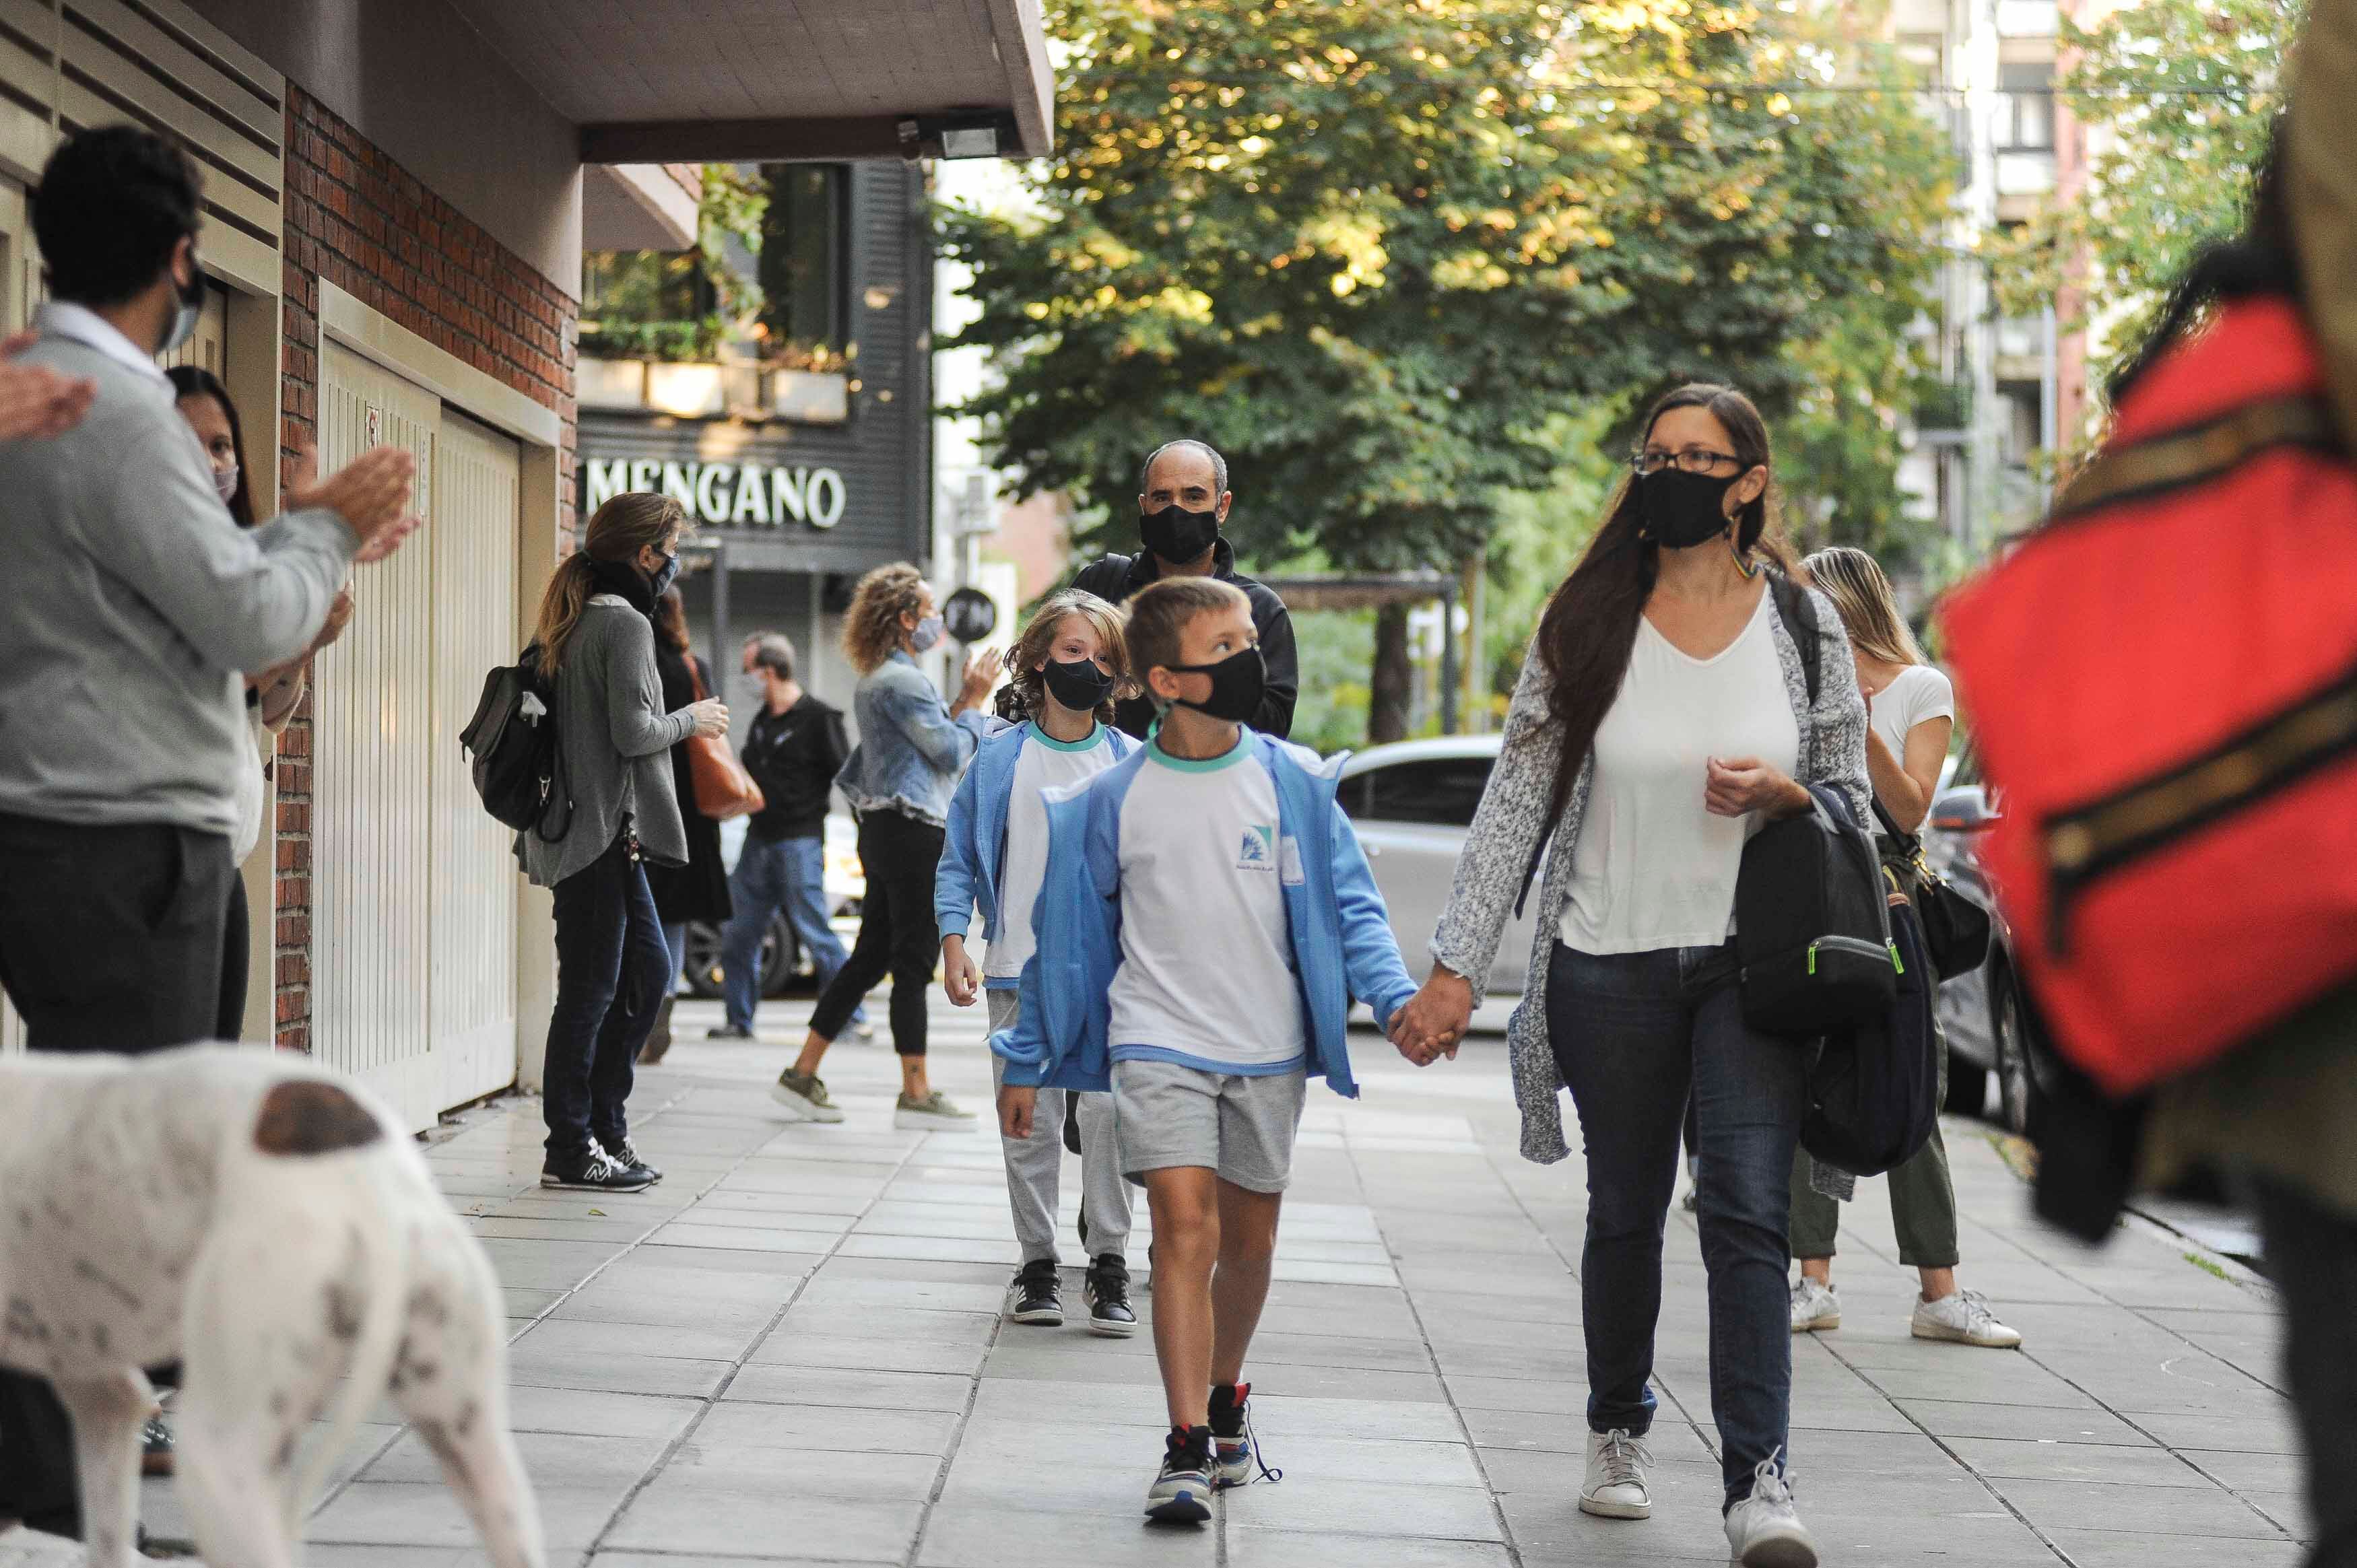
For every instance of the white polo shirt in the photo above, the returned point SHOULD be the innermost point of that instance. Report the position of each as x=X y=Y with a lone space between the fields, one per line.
x=1206 y=977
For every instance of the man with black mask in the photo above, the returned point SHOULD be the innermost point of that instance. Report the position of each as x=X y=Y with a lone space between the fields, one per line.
x=131 y=602
x=1183 y=499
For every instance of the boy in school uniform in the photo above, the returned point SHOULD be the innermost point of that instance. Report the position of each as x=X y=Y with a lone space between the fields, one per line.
x=1207 y=916
x=1069 y=668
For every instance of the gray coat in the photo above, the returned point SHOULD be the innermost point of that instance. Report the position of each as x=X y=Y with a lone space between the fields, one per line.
x=1511 y=821
x=129 y=603
x=616 y=742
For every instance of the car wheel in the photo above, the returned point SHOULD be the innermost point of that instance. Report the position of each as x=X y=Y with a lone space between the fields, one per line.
x=704 y=959
x=779 y=952
x=2015 y=1084
x=1968 y=1086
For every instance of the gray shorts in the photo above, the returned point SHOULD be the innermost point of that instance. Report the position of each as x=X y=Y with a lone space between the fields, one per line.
x=1240 y=1126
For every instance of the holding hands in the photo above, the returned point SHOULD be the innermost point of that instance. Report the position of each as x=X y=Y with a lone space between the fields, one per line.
x=1433 y=1022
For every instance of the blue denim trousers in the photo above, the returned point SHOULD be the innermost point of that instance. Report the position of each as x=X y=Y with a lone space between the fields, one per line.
x=783 y=873
x=610 y=965
x=1635 y=1035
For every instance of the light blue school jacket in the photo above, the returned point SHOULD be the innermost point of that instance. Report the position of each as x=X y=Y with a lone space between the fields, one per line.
x=973 y=853
x=1343 y=943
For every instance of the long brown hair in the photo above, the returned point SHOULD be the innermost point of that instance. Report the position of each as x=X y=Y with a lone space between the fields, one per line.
x=614 y=533
x=1590 y=625
x=1039 y=634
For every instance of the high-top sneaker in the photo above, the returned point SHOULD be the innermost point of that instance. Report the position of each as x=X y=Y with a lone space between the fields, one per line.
x=1234 y=1452
x=1181 y=1493
x=1107 y=1285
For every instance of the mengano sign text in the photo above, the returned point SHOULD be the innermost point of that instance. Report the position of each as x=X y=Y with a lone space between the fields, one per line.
x=758 y=495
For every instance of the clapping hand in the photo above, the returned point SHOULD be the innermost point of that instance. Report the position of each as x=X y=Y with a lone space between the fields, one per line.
x=36 y=402
x=371 y=493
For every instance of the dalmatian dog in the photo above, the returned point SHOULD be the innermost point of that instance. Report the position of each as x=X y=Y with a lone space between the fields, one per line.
x=271 y=1228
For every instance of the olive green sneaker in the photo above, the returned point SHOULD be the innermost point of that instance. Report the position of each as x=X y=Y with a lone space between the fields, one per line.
x=805 y=1095
x=930 y=1113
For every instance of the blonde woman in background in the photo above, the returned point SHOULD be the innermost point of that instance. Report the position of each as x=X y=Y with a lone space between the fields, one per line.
x=913 y=748
x=1910 y=716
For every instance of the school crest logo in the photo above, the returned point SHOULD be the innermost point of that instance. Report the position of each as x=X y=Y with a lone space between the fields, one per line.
x=1259 y=852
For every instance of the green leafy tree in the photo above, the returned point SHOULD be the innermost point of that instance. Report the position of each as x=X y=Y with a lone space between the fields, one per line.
x=2188 y=92
x=1372 y=248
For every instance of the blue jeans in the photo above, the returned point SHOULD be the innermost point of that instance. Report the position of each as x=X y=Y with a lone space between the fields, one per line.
x=611 y=962
x=1634 y=1036
x=788 y=875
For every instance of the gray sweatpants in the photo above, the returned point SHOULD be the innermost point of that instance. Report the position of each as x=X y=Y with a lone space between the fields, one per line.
x=1035 y=1165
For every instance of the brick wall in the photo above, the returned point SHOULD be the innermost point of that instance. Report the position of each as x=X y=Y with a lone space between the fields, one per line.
x=359 y=220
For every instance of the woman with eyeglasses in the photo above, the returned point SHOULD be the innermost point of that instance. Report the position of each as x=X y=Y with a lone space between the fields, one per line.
x=1664 y=714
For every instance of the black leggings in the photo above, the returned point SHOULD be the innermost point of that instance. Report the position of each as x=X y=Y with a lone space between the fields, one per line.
x=897 y=934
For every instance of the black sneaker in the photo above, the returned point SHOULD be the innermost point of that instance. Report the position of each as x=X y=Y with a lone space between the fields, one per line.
x=1234 y=1451
x=1037 y=1296
x=728 y=1032
x=1181 y=1493
x=595 y=1172
x=626 y=1154
x=1106 y=1286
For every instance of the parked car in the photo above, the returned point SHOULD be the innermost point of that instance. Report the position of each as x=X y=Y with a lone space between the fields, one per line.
x=1411 y=803
x=1982 y=1014
x=784 y=965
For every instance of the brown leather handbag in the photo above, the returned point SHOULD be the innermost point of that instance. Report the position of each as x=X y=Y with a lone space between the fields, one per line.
x=722 y=788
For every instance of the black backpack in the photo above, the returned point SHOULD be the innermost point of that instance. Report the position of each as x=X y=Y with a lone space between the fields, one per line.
x=1811 y=924
x=1874 y=1088
x=518 y=768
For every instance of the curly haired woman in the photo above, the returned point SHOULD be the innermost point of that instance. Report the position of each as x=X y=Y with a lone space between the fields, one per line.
x=912 y=747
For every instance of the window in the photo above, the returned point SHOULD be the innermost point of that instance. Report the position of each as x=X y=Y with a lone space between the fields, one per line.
x=805 y=263
x=1439 y=791
x=2024 y=116
x=647 y=305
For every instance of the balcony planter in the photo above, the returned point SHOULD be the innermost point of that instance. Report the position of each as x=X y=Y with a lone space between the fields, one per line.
x=810 y=397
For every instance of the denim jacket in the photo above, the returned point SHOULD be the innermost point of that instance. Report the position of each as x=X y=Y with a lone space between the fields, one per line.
x=1342 y=942
x=910 y=751
x=973 y=857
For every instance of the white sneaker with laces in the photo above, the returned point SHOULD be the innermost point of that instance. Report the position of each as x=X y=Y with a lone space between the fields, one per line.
x=1962 y=1317
x=1763 y=1530
x=1616 y=1485
x=1814 y=1307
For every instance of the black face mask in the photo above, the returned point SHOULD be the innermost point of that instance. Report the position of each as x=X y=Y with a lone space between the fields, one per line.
x=1680 y=510
x=1177 y=535
x=1238 y=682
x=1077 y=683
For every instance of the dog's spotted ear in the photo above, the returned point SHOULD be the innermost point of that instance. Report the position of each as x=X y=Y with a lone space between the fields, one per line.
x=305 y=1116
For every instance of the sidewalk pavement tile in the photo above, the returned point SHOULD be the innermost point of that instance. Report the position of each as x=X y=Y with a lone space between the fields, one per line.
x=820 y=1308
x=671 y=1517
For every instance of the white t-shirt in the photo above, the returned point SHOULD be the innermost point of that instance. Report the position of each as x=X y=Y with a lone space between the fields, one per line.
x=1206 y=974
x=1044 y=763
x=1916 y=693
x=252 y=789
x=1653 y=869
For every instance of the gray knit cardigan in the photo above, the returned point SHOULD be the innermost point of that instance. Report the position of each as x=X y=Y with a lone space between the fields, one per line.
x=1511 y=821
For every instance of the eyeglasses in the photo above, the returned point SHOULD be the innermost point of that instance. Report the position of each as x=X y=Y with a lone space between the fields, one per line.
x=1693 y=460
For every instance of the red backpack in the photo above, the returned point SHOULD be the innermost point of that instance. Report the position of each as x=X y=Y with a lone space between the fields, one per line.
x=2163 y=680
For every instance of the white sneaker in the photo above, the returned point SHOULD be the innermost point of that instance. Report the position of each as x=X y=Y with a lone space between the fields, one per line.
x=1763 y=1530
x=1962 y=1317
x=1616 y=1485
x=1814 y=1307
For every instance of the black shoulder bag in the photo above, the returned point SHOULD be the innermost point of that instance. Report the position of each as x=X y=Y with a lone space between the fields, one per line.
x=1812 y=926
x=1955 y=929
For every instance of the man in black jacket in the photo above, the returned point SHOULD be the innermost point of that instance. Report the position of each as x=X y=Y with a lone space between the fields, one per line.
x=793 y=751
x=1183 y=499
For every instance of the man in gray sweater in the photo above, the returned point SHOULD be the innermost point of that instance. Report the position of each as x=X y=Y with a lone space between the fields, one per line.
x=129 y=607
